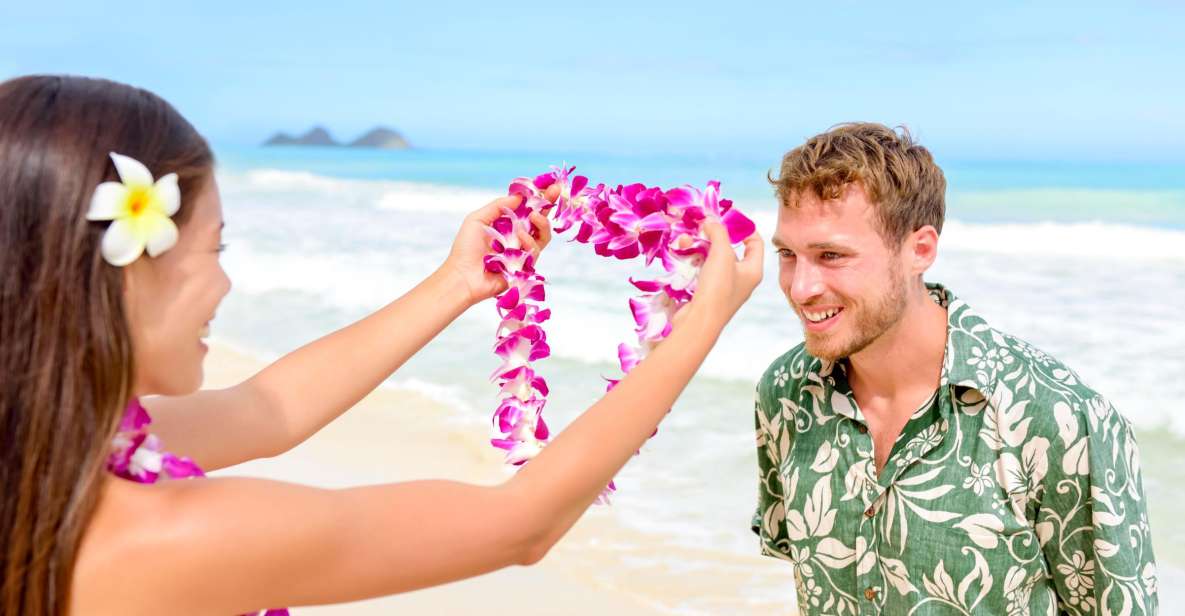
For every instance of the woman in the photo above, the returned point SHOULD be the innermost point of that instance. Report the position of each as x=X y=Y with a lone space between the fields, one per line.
x=89 y=325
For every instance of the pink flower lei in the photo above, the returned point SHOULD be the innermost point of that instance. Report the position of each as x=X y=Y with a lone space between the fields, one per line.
x=136 y=455
x=624 y=222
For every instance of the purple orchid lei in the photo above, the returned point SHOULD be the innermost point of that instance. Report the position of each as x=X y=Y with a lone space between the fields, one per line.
x=136 y=456
x=623 y=222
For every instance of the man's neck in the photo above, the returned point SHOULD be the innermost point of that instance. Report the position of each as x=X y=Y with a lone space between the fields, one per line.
x=897 y=373
x=906 y=358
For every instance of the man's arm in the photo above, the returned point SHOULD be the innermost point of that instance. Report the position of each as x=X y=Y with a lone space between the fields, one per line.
x=773 y=444
x=1093 y=517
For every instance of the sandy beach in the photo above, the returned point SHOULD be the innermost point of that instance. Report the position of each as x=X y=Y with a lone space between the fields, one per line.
x=601 y=567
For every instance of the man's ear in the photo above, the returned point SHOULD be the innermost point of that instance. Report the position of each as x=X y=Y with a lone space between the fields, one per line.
x=922 y=249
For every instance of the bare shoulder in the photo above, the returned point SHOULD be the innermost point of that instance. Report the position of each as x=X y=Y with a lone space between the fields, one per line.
x=233 y=545
x=153 y=545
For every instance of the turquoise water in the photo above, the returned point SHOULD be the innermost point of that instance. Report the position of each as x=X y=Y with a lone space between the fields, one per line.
x=1085 y=260
x=1148 y=194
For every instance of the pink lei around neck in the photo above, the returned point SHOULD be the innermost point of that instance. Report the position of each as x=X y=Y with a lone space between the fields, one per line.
x=136 y=454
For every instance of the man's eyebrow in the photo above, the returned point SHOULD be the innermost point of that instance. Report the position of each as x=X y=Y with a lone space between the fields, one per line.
x=827 y=246
x=777 y=242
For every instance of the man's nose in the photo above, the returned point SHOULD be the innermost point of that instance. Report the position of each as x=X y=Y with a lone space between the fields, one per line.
x=806 y=284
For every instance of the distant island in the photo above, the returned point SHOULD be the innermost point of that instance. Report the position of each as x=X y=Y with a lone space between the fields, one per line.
x=377 y=138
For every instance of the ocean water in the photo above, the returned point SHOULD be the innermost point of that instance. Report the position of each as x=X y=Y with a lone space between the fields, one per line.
x=1086 y=261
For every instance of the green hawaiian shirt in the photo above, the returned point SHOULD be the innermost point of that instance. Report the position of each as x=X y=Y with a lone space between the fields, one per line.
x=1016 y=490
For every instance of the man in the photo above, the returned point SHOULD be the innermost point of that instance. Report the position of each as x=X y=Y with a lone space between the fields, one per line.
x=914 y=460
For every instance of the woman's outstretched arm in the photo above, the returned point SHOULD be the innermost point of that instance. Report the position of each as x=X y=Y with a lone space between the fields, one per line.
x=232 y=545
x=294 y=397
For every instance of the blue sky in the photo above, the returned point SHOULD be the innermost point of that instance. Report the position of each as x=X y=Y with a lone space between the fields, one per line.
x=1008 y=80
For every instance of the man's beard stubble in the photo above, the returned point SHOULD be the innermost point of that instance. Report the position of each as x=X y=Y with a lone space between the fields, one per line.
x=870 y=323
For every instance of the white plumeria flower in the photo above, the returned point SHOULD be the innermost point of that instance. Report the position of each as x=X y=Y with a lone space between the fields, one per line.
x=140 y=209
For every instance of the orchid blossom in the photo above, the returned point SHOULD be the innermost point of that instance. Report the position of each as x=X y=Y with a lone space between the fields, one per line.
x=137 y=455
x=624 y=222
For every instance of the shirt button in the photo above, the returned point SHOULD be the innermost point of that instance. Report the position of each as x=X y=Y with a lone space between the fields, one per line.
x=861 y=428
x=870 y=593
x=871 y=511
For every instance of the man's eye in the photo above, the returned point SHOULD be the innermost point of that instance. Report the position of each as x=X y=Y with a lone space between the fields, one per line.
x=831 y=256
x=222 y=248
x=785 y=253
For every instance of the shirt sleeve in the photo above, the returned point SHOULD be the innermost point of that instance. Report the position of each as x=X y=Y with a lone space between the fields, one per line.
x=1093 y=520
x=772 y=440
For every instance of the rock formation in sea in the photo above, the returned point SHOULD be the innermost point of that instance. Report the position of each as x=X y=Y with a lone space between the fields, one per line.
x=316 y=136
x=376 y=138
x=382 y=138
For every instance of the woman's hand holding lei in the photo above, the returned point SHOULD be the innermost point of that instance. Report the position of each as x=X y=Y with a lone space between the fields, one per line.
x=472 y=244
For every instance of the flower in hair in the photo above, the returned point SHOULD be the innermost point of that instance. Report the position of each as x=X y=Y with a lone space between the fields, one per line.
x=140 y=210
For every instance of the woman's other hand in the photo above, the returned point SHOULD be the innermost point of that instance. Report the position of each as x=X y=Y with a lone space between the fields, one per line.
x=725 y=282
x=472 y=244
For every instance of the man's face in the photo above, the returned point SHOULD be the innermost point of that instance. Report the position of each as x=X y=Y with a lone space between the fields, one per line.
x=846 y=285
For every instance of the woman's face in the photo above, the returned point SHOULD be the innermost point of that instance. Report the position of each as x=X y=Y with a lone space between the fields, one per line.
x=171 y=300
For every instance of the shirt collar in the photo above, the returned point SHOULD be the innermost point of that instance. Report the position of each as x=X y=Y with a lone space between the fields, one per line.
x=964 y=329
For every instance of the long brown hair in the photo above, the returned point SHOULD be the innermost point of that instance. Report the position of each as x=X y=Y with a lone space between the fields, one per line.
x=66 y=363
